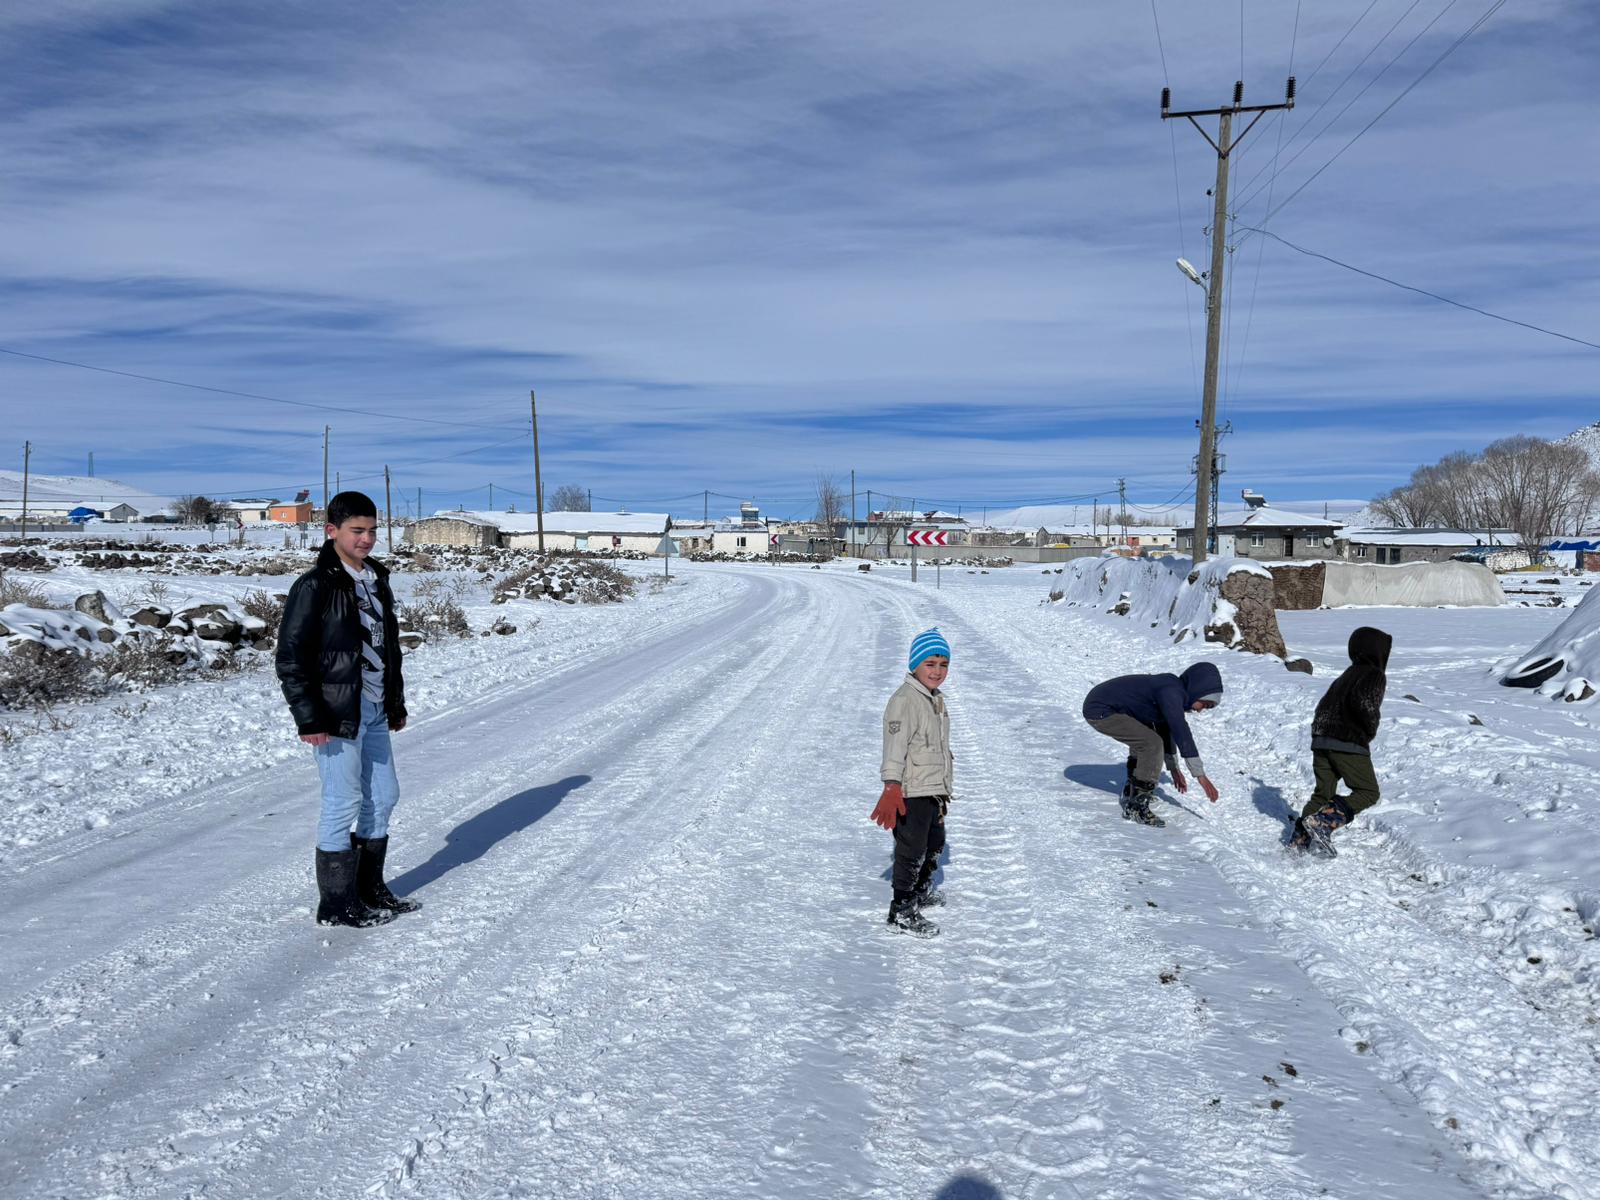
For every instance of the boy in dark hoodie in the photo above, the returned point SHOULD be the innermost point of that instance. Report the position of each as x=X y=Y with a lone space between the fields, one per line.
x=1342 y=730
x=1146 y=714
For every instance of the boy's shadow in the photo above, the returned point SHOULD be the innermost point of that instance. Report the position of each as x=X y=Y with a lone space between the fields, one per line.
x=1271 y=802
x=968 y=1186
x=481 y=832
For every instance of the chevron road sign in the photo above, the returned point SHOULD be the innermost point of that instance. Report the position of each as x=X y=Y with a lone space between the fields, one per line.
x=927 y=537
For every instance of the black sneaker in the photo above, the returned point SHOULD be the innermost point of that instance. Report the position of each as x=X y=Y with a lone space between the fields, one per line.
x=1136 y=805
x=906 y=917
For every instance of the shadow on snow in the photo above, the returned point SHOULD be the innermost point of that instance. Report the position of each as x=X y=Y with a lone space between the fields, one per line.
x=481 y=832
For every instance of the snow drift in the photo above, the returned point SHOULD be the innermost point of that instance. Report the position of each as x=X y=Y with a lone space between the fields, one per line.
x=1566 y=663
x=1225 y=600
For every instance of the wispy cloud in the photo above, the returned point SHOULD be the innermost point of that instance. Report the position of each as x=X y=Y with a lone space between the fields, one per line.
x=734 y=244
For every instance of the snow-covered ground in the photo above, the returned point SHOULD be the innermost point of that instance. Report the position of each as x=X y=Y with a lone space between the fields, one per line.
x=651 y=961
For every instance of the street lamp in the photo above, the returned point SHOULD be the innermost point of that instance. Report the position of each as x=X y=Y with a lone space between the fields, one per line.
x=1187 y=268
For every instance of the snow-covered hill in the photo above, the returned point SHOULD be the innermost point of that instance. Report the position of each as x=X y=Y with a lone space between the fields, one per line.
x=48 y=493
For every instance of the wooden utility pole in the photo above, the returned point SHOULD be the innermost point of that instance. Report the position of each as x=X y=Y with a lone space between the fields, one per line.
x=538 y=481
x=27 y=453
x=419 y=504
x=388 y=507
x=325 y=430
x=1224 y=144
x=491 y=497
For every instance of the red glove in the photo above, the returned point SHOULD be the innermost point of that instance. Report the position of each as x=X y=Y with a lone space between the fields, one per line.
x=891 y=806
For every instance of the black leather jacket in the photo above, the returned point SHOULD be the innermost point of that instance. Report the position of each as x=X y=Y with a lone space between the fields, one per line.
x=319 y=649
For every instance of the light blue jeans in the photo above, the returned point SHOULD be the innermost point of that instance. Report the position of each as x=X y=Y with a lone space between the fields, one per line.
x=358 y=781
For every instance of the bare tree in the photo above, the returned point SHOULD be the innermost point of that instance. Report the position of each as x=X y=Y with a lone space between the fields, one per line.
x=1538 y=488
x=569 y=497
x=832 y=502
x=196 y=510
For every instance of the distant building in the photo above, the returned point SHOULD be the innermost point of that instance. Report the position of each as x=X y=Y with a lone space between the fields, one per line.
x=1260 y=531
x=1387 y=546
x=453 y=529
x=249 y=512
x=596 y=532
x=122 y=512
x=291 y=514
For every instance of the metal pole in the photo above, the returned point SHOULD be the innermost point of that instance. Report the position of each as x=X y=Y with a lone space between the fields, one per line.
x=388 y=507
x=27 y=453
x=491 y=497
x=325 y=430
x=852 y=513
x=538 y=481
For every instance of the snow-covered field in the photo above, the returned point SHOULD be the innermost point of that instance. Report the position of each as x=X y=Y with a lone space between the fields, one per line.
x=651 y=961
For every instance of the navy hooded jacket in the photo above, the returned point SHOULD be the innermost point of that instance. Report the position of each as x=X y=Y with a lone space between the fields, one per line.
x=1159 y=701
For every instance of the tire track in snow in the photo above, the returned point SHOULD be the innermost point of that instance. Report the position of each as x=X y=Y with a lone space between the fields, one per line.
x=267 y=1099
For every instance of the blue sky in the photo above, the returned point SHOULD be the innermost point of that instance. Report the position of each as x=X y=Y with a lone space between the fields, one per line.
x=736 y=244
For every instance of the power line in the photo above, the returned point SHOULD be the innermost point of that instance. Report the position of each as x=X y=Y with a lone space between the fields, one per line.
x=1482 y=312
x=1428 y=70
x=1177 y=197
x=1368 y=86
x=201 y=387
x=1249 y=191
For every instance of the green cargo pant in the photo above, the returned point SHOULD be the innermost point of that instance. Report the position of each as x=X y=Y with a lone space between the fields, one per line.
x=1331 y=767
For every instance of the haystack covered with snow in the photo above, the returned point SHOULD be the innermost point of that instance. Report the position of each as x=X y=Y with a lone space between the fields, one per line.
x=1567 y=663
x=1333 y=584
x=1224 y=600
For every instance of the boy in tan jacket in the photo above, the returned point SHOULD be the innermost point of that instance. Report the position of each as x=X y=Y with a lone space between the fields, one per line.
x=918 y=774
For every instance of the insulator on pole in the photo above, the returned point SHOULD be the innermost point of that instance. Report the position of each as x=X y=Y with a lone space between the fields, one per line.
x=1238 y=93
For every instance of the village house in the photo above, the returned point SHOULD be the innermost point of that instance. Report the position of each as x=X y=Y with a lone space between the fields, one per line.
x=248 y=512
x=1260 y=531
x=453 y=529
x=744 y=536
x=1386 y=546
x=596 y=532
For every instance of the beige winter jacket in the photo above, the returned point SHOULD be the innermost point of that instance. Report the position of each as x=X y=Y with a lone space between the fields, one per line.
x=916 y=742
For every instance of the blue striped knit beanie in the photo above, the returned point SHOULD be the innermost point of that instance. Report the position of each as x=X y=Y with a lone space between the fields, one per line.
x=925 y=645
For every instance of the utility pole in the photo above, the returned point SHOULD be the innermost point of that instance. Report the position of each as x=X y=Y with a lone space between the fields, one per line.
x=27 y=453
x=1122 y=505
x=1224 y=144
x=538 y=482
x=325 y=430
x=91 y=464
x=491 y=497
x=419 y=504
x=852 y=512
x=388 y=507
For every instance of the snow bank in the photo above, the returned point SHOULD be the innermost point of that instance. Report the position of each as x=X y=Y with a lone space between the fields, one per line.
x=1567 y=662
x=1224 y=600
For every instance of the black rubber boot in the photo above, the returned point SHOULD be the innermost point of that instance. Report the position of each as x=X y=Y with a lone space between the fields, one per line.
x=1136 y=804
x=925 y=894
x=906 y=916
x=336 y=882
x=370 y=887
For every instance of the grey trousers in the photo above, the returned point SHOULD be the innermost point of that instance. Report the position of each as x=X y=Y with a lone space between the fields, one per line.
x=1146 y=749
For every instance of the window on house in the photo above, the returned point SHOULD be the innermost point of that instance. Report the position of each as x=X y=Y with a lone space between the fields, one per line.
x=741 y=543
x=1258 y=539
x=1361 y=551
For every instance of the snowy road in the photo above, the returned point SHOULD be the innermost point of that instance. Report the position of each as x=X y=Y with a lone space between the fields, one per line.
x=651 y=961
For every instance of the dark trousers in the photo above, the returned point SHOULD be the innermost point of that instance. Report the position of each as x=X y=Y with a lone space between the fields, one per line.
x=918 y=838
x=1145 y=746
x=1332 y=767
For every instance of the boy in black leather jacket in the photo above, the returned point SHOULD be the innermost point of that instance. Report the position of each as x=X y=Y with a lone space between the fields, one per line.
x=339 y=665
x=1342 y=730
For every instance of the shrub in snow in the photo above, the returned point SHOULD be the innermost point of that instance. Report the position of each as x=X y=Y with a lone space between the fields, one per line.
x=19 y=589
x=1567 y=662
x=434 y=609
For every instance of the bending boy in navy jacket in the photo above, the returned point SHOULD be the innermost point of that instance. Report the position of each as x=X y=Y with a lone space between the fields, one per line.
x=1146 y=713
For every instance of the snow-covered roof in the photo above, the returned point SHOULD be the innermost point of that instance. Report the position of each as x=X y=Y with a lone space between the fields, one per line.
x=468 y=518
x=1429 y=537
x=1267 y=517
x=572 y=522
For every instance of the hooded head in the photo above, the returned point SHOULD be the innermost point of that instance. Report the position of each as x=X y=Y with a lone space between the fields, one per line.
x=1202 y=682
x=1370 y=647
